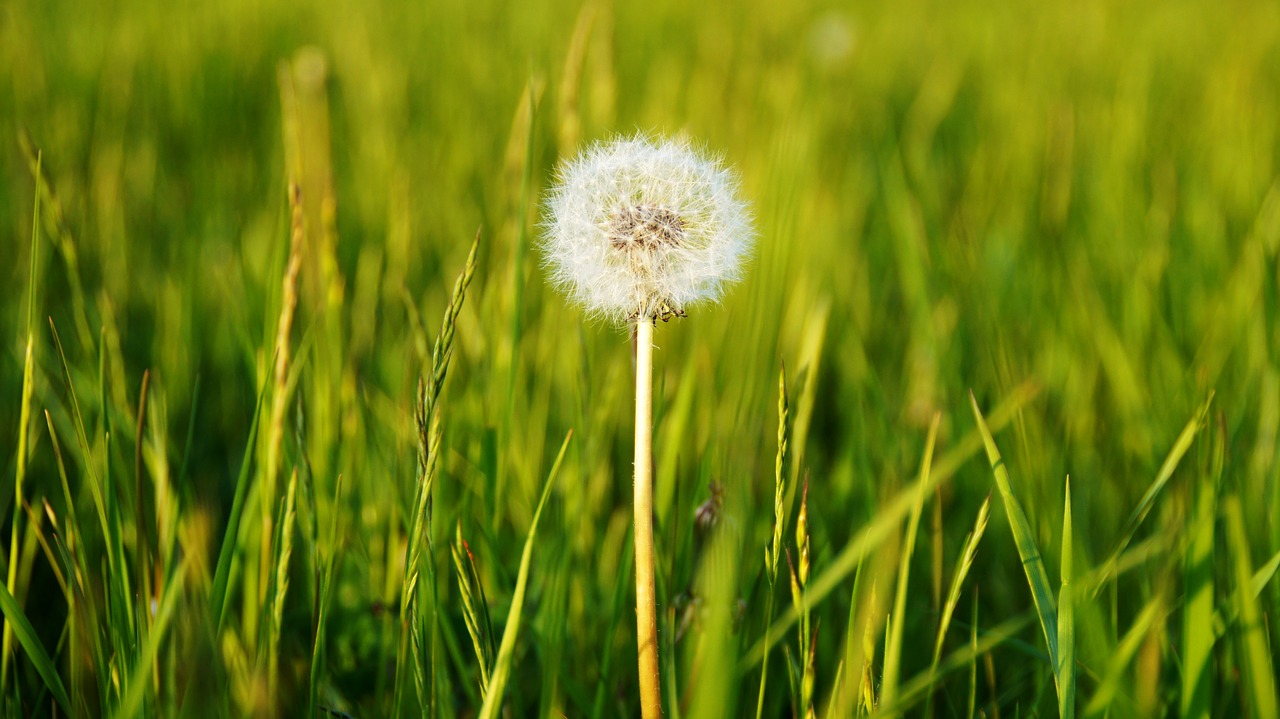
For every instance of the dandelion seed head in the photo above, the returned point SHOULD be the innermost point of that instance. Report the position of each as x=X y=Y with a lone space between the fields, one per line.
x=637 y=229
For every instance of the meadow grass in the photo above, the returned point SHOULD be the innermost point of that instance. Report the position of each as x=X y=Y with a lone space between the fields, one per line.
x=282 y=437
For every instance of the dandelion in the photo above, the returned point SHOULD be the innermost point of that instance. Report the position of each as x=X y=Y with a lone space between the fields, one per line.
x=637 y=230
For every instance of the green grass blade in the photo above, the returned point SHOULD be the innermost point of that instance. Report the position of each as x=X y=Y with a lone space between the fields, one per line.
x=35 y=254
x=464 y=570
x=1113 y=678
x=621 y=586
x=963 y=565
x=1196 y=698
x=24 y=422
x=1024 y=538
x=528 y=112
x=81 y=602
x=191 y=433
x=123 y=623
x=1263 y=576
x=132 y=703
x=779 y=519
x=1255 y=658
x=1180 y=447
x=919 y=686
x=893 y=652
x=1225 y=617
x=1066 y=667
x=973 y=665
x=324 y=598
x=95 y=490
x=30 y=643
x=967 y=555
x=222 y=574
x=506 y=650
x=846 y=684
x=284 y=552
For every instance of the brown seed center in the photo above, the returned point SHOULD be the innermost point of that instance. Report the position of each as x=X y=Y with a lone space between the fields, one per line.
x=645 y=226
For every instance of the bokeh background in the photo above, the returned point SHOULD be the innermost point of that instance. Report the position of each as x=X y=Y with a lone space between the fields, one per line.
x=1071 y=209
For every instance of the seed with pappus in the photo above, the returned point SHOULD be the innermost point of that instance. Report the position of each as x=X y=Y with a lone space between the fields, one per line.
x=638 y=229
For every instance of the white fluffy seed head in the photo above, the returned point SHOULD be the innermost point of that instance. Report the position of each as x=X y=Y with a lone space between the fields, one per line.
x=637 y=229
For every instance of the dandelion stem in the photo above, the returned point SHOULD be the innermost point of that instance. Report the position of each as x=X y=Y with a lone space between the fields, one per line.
x=646 y=604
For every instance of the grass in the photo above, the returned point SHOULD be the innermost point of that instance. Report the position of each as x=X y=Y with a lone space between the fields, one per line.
x=279 y=452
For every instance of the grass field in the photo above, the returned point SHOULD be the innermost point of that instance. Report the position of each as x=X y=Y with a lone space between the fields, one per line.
x=238 y=234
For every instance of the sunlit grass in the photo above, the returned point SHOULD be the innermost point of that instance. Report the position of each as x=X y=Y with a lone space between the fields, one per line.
x=1053 y=227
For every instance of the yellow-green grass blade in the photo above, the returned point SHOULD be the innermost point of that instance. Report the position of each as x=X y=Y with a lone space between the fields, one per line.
x=1180 y=447
x=24 y=421
x=1066 y=666
x=779 y=518
x=122 y=623
x=99 y=504
x=468 y=580
x=132 y=703
x=1196 y=699
x=810 y=363
x=528 y=113
x=967 y=555
x=1226 y=617
x=619 y=602
x=918 y=687
x=30 y=643
x=675 y=422
x=63 y=242
x=323 y=599
x=226 y=554
x=846 y=685
x=973 y=665
x=284 y=551
x=893 y=652
x=502 y=665
x=114 y=602
x=1024 y=538
x=1113 y=678
x=76 y=569
x=1255 y=659
x=1263 y=576
x=963 y=565
x=569 y=125
x=886 y=520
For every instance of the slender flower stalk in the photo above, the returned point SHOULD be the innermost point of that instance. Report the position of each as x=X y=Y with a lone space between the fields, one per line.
x=646 y=597
x=635 y=231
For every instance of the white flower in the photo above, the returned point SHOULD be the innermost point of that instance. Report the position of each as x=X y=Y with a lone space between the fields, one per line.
x=637 y=229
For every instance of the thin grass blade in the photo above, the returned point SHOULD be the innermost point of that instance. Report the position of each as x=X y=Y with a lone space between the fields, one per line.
x=1255 y=659
x=967 y=555
x=222 y=574
x=1113 y=677
x=132 y=703
x=1180 y=447
x=1024 y=538
x=1198 y=638
x=1066 y=667
x=916 y=689
x=30 y=643
x=24 y=422
x=502 y=665
x=893 y=651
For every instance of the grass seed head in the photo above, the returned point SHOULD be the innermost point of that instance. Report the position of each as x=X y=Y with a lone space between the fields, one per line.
x=637 y=228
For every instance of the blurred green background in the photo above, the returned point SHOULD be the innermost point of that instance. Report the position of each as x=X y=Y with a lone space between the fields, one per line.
x=1070 y=208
